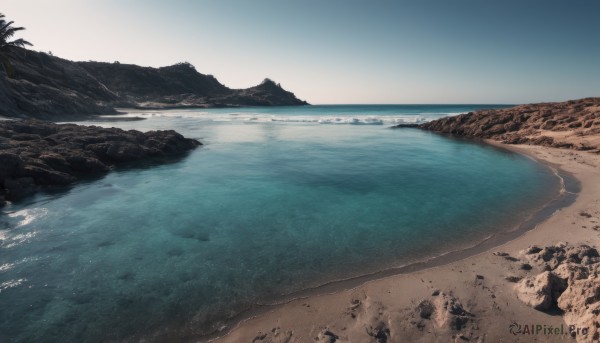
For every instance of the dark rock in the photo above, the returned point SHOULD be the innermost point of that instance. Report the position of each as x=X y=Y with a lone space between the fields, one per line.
x=47 y=154
x=425 y=309
x=407 y=125
x=19 y=188
x=380 y=333
x=25 y=137
x=82 y=163
x=10 y=164
x=47 y=176
x=526 y=266
x=513 y=278
x=332 y=337
x=532 y=250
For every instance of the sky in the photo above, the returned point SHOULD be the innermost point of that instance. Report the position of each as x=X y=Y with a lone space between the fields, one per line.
x=341 y=51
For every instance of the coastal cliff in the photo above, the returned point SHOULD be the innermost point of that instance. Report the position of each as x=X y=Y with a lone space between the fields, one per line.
x=36 y=154
x=47 y=87
x=573 y=124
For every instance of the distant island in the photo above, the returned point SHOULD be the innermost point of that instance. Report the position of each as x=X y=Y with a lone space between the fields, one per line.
x=48 y=87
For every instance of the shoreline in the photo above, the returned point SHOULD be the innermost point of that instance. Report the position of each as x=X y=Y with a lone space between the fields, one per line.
x=565 y=197
x=566 y=200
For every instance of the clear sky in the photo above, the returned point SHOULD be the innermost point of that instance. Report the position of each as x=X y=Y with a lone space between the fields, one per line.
x=334 y=51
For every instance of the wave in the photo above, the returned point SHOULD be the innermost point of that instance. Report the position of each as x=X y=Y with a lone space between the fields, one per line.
x=302 y=119
x=8 y=266
x=27 y=216
x=10 y=284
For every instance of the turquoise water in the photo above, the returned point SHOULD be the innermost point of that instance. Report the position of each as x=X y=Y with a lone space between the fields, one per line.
x=266 y=207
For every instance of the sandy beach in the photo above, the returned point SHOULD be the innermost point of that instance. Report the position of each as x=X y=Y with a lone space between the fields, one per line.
x=473 y=299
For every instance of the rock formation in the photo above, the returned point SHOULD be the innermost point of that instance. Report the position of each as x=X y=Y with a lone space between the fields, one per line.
x=572 y=124
x=570 y=282
x=36 y=154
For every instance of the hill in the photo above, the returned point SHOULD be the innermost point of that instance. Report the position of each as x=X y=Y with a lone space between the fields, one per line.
x=49 y=87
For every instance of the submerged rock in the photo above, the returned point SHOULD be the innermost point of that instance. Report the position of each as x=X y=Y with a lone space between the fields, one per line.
x=37 y=153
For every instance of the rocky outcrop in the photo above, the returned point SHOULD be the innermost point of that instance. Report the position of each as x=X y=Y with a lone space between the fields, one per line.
x=36 y=154
x=268 y=93
x=181 y=86
x=572 y=124
x=570 y=282
x=542 y=291
x=48 y=87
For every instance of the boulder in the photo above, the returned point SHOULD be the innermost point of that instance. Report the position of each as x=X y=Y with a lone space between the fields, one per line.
x=541 y=292
x=581 y=303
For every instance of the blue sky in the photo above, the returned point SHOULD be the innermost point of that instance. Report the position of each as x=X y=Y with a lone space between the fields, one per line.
x=459 y=51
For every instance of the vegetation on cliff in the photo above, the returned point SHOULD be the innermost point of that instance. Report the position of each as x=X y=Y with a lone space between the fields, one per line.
x=7 y=31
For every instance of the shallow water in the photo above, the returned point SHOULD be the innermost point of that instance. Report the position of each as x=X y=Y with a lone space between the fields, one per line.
x=264 y=208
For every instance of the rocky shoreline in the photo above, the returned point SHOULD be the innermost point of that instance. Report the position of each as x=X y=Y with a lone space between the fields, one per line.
x=37 y=154
x=573 y=124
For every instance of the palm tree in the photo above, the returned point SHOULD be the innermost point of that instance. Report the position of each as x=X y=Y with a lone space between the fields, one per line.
x=6 y=45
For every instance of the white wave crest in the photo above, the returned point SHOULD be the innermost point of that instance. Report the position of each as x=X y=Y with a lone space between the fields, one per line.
x=28 y=215
x=18 y=239
x=10 y=284
x=251 y=117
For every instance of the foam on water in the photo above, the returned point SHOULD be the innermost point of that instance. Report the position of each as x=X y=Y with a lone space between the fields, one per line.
x=10 y=284
x=264 y=118
x=27 y=216
x=319 y=114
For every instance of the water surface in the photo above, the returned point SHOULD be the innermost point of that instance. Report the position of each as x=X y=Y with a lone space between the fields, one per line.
x=266 y=207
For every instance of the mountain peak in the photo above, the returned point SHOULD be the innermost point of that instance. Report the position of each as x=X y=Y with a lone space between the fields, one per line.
x=181 y=66
x=267 y=81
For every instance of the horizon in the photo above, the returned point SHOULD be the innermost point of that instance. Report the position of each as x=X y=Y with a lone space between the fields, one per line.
x=341 y=53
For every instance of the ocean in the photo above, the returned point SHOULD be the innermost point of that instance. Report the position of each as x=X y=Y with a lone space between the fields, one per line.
x=277 y=200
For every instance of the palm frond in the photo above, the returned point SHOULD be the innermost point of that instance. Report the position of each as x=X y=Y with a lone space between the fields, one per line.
x=20 y=43
x=6 y=45
x=6 y=34
x=4 y=25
